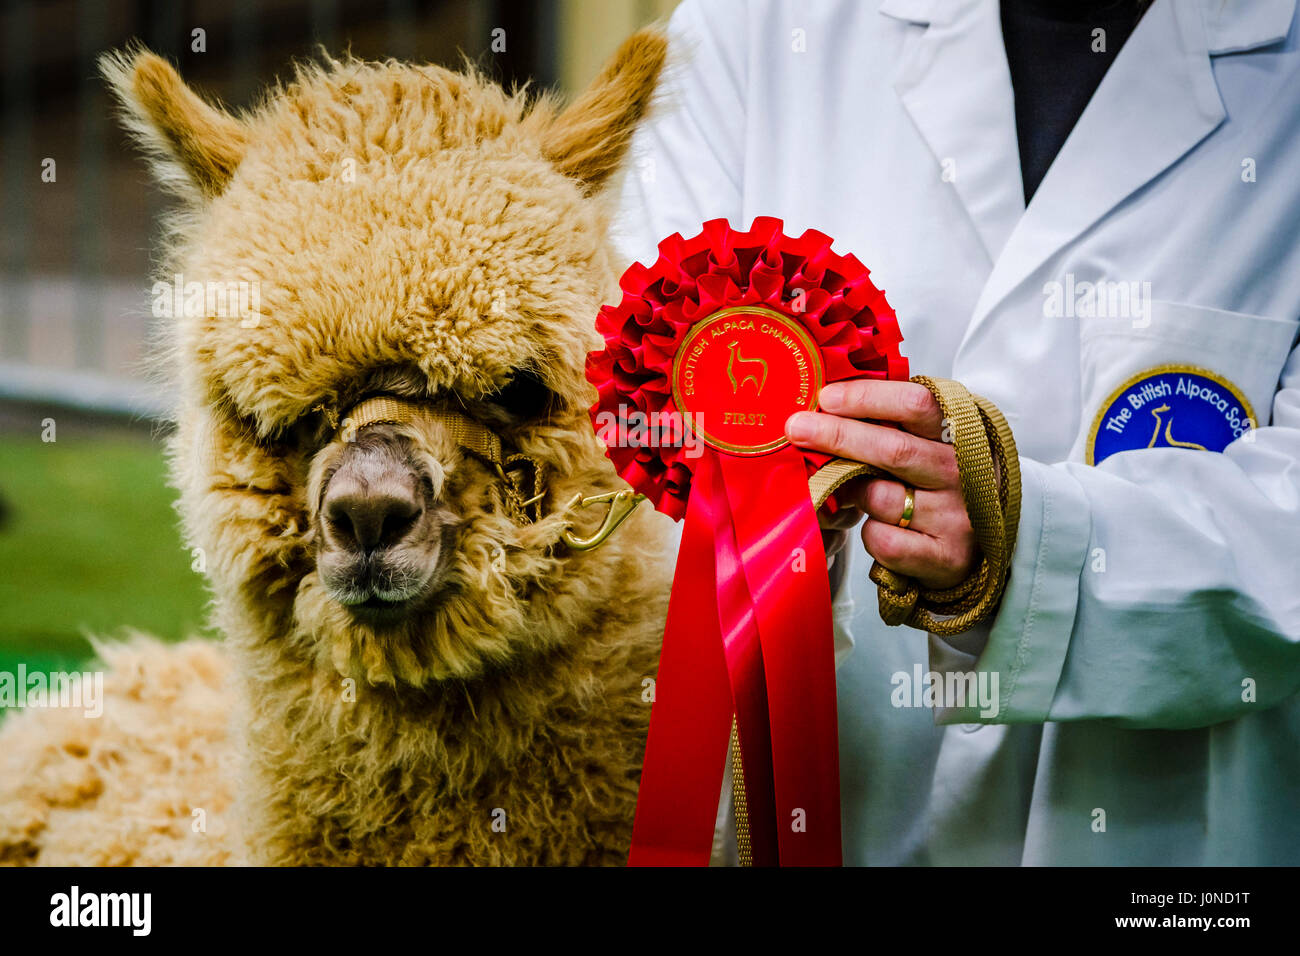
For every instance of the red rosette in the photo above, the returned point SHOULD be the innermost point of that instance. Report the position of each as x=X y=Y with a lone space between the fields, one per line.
x=748 y=641
x=830 y=295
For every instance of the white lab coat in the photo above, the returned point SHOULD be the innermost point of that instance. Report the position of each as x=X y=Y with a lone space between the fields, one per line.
x=1150 y=593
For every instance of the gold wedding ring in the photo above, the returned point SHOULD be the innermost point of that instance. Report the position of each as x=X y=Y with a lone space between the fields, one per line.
x=909 y=505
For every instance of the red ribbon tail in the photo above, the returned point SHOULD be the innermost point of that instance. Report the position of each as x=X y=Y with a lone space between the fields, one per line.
x=784 y=564
x=690 y=719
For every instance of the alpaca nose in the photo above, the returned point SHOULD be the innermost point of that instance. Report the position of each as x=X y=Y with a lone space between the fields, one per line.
x=368 y=522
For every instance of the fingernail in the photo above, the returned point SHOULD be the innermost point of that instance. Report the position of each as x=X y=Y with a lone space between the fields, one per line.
x=800 y=427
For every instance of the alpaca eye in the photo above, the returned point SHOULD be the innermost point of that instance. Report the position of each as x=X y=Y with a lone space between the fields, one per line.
x=524 y=396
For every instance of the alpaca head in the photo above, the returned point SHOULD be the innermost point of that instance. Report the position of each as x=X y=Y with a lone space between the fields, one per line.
x=387 y=230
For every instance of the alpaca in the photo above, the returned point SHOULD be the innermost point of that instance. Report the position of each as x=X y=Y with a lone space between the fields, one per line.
x=415 y=669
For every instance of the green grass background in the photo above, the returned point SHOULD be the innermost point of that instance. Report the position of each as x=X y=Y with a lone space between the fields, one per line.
x=89 y=546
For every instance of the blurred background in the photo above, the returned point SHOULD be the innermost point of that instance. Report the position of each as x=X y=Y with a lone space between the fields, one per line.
x=88 y=537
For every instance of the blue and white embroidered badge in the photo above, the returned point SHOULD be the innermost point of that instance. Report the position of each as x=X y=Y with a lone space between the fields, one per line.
x=1172 y=406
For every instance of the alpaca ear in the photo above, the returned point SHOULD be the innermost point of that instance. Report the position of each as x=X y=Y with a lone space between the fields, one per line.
x=194 y=147
x=587 y=141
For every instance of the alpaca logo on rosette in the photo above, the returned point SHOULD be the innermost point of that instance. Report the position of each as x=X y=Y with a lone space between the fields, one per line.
x=748 y=344
x=736 y=358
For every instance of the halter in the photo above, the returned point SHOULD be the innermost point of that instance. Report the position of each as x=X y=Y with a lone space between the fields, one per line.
x=520 y=475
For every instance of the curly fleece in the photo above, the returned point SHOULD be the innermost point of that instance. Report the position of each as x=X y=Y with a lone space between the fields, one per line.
x=425 y=229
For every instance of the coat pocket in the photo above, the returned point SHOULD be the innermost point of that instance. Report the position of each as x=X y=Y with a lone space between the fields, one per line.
x=1183 y=376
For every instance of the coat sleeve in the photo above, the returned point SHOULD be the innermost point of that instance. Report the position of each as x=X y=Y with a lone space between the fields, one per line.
x=1159 y=589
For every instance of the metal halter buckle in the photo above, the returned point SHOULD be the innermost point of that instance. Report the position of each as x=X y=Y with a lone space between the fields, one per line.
x=621 y=504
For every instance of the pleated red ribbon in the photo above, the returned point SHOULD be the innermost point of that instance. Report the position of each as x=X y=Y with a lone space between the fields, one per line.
x=749 y=628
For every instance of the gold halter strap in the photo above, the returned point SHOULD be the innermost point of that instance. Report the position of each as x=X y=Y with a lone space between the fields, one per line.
x=391 y=410
x=520 y=475
x=480 y=440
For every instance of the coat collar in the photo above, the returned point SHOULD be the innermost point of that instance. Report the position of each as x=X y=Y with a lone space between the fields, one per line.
x=1235 y=26
x=954 y=81
x=924 y=12
x=1157 y=101
x=1232 y=26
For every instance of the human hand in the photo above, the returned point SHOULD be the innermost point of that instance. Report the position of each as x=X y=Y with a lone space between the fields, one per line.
x=938 y=547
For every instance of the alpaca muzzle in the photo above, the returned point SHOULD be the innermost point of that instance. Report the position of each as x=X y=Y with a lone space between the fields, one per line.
x=520 y=477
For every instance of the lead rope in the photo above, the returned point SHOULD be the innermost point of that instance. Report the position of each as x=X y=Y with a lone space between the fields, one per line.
x=738 y=799
x=989 y=469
